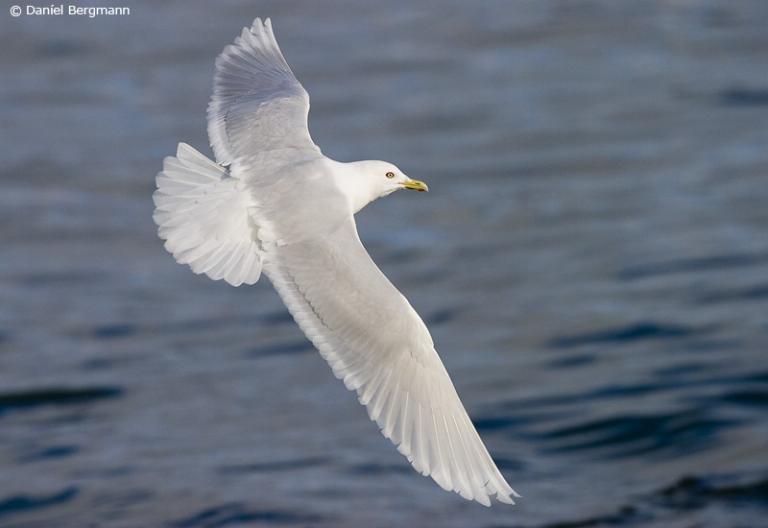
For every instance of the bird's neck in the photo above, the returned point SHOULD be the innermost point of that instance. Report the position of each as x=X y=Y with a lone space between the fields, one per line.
x=353 y=181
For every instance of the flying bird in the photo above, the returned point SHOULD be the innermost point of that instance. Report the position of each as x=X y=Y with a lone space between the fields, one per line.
x=273 y=203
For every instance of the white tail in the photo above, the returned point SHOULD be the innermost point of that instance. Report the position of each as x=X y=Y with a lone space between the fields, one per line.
x=204 y=217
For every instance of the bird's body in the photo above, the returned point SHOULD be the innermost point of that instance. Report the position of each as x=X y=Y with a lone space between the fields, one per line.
x=273 y=202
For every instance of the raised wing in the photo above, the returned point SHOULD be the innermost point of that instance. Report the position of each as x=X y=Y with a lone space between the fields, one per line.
x=377 y=344
x=257 y=104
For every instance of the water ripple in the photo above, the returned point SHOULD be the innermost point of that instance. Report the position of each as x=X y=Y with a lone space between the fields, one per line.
x=633 y=332
x=237 y=514
x=276 y=465
x=19 y=503
x=694 y=265
x=55 y=396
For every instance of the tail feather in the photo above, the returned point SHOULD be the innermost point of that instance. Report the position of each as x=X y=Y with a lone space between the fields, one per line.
x=204 y=217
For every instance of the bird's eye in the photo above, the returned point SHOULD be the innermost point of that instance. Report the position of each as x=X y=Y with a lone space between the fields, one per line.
x=390 y=175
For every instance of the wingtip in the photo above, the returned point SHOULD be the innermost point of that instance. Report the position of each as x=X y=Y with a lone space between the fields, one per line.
x=260 y=24
x=484 y=500
x=506 y=496
x=504 y=499
x=182 y=148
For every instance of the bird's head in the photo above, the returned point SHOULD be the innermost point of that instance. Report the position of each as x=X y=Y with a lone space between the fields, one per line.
x=372 y=179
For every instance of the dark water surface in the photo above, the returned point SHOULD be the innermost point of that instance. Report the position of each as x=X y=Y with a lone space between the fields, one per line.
x=592 y=261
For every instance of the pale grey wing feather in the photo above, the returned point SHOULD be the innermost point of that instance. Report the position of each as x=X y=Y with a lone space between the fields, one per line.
x=377 y=344
x=257 y=104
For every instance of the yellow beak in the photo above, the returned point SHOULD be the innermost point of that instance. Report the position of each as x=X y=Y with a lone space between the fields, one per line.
x=416 y=185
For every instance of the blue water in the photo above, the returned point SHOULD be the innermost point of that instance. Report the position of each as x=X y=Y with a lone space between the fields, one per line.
x=592 y=261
